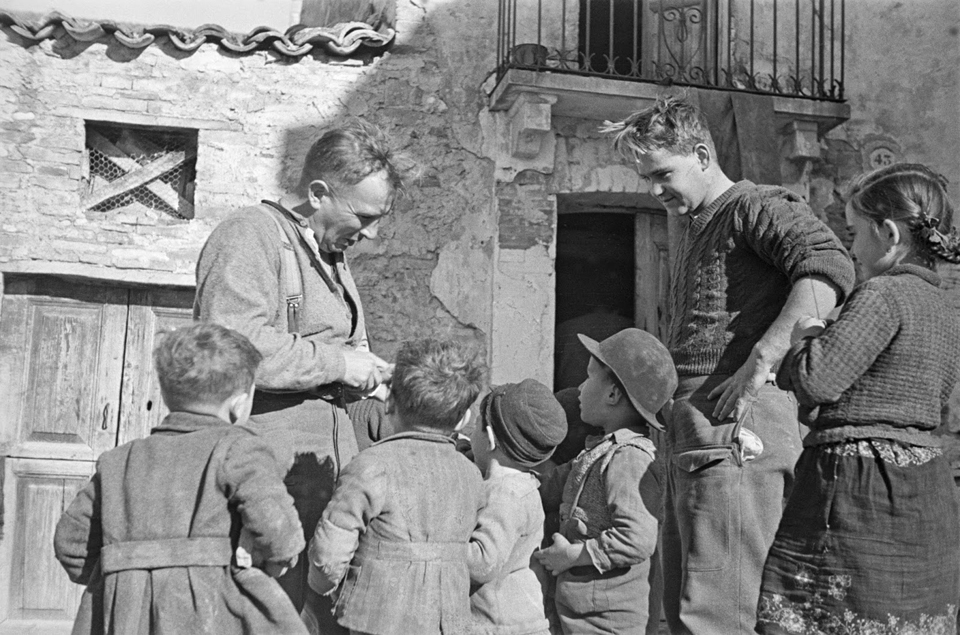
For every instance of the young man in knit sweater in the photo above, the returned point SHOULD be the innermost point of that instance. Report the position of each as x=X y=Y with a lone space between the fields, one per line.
x=751 y=260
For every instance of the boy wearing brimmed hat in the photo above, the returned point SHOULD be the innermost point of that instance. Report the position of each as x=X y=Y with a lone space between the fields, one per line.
x=609 y=496
x=520 y=426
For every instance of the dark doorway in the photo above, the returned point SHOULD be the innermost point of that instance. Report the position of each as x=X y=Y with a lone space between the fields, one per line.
x=595 y=286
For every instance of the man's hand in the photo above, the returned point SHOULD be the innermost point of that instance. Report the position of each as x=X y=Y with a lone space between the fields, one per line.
x=562 y=555
x=740 y=389
x=807 y=326
x=364 y=371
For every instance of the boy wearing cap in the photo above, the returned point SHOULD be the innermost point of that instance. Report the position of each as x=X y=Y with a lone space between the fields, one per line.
x=609 y=496
x=520 y=426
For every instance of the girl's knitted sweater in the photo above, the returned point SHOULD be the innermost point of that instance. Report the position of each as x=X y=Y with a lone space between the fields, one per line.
x=886 y=367
x=736 y=262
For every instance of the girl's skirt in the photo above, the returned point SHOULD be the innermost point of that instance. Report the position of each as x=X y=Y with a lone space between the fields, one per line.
x=869 y=543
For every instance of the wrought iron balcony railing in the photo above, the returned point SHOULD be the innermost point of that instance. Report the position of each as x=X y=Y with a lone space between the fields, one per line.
x=782 y=47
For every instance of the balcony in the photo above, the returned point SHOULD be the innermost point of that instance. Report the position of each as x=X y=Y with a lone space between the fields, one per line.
x=600 y=59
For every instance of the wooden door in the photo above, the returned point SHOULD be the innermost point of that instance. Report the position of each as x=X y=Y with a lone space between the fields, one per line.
x=151 y=311
x=75 y=375
x=652 y=283
x=61 y=352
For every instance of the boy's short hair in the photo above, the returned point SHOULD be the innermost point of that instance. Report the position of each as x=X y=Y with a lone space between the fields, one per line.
x=435 y=381
x=671 y=124
x=204 y=363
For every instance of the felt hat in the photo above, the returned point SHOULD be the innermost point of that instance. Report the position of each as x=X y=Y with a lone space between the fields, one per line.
x=526 y=419
x=642 y=364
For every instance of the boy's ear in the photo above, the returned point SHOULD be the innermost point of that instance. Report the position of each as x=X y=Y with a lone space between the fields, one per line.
x=464 y=420
x=614 y=394
x=492 y=439
x=389 y=404
x=238 y=406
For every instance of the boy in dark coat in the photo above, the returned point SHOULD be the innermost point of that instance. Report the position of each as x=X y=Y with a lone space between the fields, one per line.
x=155 y=534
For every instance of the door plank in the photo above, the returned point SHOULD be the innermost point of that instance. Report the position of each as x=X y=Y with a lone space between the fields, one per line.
x=652 y=275
x=37 y=492
x=151 y=311
x=62 y=349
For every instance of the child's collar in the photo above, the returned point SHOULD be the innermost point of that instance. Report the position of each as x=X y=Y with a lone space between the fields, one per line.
x=621 y=435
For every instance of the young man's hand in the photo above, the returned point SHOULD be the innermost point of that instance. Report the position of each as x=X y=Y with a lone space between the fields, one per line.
x=735 y=394
x=562 y=555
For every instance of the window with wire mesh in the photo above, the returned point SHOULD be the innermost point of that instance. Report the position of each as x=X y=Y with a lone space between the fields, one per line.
x=138 y=167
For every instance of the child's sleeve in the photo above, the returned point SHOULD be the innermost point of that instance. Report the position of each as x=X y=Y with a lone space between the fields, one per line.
x=498 y=529
x=819 y=370
x=359 y=497
x=633 y=501
x=252 y=481
x=79 y=535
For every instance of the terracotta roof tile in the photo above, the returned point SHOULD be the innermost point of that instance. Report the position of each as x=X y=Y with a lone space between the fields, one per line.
x=342 y=39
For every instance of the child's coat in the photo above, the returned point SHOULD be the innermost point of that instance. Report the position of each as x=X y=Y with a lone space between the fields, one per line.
x=153 y=534
x=609 y=500
x=509 y=599
x=396 y=533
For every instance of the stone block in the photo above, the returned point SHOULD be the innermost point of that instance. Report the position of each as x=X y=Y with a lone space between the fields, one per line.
x=43 y=154
x=56 y=183
x=66 y=171
x=116 y=81
x=10 y=181
x=17 y=167
x=800 y=141
x=114 y=103
x=16 y=136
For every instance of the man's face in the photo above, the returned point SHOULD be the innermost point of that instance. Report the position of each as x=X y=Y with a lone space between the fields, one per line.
x=351 y=213
x=677 y=180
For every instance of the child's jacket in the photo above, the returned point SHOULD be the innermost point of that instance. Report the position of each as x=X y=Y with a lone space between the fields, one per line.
x=609 y=500
x=396 y=533
x=509 y=599
x=153 y=533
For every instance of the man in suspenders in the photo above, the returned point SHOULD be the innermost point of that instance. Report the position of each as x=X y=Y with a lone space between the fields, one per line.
x=276 y=273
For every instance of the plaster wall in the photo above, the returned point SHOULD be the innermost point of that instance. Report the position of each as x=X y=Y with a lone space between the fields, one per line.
x=903 y=88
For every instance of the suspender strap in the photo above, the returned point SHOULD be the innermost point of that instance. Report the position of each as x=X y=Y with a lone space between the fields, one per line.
x=290 y=277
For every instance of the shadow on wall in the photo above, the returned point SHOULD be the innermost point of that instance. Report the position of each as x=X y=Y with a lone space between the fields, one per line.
x=426 y=98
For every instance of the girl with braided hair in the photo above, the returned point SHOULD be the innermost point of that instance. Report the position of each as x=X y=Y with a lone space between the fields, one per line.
x=869 y=540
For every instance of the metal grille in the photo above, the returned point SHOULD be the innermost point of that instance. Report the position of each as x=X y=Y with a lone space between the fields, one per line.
x=782 y=47
x=117 y=151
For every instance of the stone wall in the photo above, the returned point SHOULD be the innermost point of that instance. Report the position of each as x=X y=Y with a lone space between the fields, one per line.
x=256 y=115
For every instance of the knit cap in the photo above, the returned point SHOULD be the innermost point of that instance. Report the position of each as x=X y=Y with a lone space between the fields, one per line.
x=526 y=419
